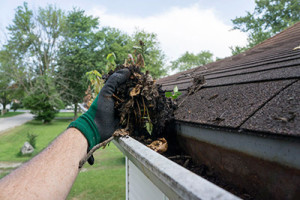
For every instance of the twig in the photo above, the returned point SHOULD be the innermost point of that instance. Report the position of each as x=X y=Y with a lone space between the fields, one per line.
x=144 y=106
x=186 y=163
x=117 y=133
x=90 y=153
x=118 y=98
x=137 y=103
x=179 y=156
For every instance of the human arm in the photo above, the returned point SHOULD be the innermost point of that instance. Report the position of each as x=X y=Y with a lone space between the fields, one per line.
x=50 y=174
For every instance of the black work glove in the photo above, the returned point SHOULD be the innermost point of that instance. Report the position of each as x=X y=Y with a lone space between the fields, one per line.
x=100 y=121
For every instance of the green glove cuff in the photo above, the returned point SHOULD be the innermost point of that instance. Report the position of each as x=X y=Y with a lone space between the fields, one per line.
x=86 y=125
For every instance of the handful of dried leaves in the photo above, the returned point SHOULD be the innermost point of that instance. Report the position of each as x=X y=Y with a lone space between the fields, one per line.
x=140 y=103
x=143 y=108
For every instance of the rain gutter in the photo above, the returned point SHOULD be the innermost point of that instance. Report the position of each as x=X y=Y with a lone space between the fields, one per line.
x=173 y=180
x=283 y=150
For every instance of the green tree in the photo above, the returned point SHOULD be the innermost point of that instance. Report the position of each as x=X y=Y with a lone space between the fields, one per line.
x=121 y=44
x=268 y=18
x=43 y=100
x=190 y=60
x=9 y=89
x=153 y=55
x=5 y=91
x=33 y=45
x=78 y=54
x=113 y=40
x=36 y=37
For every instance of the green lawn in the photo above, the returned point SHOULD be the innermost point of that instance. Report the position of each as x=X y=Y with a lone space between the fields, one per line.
x=10 y=114
x=3 y=174
x=66 y=114
x=13 y=140
x=104 y=180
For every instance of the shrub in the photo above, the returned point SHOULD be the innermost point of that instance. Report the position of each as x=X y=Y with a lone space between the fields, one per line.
x=32 y=139
x=43 y=99
x=16 y=106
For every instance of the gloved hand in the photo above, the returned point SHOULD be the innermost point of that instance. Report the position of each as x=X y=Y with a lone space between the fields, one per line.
x=100 y=121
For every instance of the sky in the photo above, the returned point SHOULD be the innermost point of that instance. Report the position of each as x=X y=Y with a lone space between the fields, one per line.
x=180 y=25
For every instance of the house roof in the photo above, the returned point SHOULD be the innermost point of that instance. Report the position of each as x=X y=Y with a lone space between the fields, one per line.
x=255 y=91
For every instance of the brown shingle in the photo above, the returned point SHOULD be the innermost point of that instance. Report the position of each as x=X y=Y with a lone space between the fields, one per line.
x=241 y=89
x=281 y=115
x=227 y=106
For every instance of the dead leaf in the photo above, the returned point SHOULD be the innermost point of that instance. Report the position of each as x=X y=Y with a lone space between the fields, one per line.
x=140 y=61
x=298 y=47
x=120 y=133
x=213 y=97
x=136 y=90
x=137 y=75
x=149 y=140
x=160 y=145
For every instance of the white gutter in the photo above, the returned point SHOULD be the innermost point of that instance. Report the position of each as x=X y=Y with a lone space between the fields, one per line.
x=170 y=178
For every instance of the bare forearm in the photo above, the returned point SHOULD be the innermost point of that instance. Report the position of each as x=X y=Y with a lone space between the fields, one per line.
x=50 y=174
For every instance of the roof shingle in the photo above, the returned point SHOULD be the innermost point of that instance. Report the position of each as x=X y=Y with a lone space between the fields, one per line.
x=252 y=91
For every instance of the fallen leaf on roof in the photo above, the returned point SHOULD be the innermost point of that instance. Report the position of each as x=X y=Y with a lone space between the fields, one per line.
x=291 y=116
x=283 y=119
x=298 y=47
x=213 y=97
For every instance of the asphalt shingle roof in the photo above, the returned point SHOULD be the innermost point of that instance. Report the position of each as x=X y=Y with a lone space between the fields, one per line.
x=256 y=91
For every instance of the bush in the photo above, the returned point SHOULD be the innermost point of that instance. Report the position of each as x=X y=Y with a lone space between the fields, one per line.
x=16 y=106
x=32 y=139
x=43 y=99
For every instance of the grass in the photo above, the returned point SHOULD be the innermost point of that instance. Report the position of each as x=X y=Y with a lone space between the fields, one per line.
x=66 y=114
x=10 y=114
x=2 y=174
x=13 y=140
x=104 y=180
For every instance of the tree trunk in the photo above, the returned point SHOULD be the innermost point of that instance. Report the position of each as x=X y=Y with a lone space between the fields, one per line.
x=4 y=108
x=75 y=111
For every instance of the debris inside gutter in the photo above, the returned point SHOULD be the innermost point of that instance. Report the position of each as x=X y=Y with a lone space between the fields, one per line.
x=178 y=155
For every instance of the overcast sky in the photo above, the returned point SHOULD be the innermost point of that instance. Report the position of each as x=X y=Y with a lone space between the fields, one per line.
x=180 y=25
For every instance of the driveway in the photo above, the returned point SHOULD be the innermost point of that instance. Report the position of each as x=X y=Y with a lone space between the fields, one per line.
x=11 y=122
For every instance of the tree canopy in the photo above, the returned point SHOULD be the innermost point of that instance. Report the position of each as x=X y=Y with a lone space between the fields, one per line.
x=268 y=18
x=76 y=56
x=153 y=55
x=190 y=60
x=49 y=51
x=32 y=47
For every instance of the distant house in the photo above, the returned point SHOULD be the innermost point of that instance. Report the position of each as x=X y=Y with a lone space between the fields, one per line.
x=240 y=117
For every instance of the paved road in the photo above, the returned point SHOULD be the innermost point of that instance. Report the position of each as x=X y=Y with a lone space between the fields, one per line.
x=10 y=122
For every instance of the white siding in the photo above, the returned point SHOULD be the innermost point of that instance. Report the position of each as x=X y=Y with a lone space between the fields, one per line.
x=139 y=187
